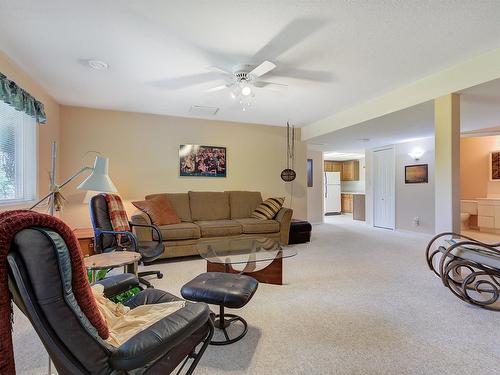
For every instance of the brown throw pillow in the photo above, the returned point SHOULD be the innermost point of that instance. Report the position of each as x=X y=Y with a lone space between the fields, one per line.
x=159 y=209
x=268 y=209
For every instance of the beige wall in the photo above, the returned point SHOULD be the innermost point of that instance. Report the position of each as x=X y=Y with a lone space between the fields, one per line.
x=143 y=152
x=474 y=167
x=46 y=133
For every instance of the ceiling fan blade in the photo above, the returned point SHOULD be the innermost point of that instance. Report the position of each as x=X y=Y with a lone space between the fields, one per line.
x=219 y=70
x=291 y=35
x=304 y=74
x=217 y=88
x=269 y=84
x=262 y=69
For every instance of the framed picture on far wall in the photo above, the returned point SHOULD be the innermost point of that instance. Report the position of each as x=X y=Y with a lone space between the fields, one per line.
x=416 y=174
x=495 y=166
x=202 y=161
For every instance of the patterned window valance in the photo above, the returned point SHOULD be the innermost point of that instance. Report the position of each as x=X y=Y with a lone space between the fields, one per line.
x=12 y=94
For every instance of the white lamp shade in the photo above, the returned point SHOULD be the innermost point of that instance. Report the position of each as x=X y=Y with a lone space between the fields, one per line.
x=99 y=180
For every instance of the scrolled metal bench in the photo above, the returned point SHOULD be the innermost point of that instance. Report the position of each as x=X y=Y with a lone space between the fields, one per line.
x=469 y=268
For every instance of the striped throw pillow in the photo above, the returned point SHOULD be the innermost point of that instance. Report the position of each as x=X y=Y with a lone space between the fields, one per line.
x=268 y=209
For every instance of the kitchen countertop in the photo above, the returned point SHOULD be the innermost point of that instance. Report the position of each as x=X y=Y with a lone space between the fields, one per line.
x=353 y=192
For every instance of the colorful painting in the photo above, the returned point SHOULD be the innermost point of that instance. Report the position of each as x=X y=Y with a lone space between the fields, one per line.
x=417 y=174
x=202 y=161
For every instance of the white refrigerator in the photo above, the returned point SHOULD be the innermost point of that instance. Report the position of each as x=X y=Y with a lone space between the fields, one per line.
x=332 y=193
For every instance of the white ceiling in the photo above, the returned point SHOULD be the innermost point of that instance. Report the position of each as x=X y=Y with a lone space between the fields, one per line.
x=479 y=114
x=352 y=51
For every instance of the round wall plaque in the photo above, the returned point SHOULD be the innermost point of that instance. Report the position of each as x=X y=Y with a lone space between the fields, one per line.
x=288 y=175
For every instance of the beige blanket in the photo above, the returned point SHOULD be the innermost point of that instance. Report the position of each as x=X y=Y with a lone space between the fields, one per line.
x=123 y=322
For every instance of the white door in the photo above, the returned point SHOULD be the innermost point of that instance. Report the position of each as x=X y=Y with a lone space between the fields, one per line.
x=384 y=188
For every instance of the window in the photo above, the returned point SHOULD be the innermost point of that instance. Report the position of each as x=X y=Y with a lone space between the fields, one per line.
x=17 y=156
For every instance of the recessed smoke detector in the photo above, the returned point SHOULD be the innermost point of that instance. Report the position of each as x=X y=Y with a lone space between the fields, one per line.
x=201 y=110
x=97 y=64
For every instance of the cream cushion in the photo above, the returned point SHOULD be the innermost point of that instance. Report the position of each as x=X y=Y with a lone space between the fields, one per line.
x=219 y=228
x=207 y=205
x=252 y=225
x=182 y=231
x=243 y=203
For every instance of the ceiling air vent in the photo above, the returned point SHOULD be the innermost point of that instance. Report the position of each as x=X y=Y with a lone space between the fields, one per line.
x=200 y=110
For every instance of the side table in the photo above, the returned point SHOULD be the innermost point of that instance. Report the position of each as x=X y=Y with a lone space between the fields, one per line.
x=114 y=259
x=85 y=237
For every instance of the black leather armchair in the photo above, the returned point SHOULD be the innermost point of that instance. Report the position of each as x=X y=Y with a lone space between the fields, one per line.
x=40 y=285
x=105 y=237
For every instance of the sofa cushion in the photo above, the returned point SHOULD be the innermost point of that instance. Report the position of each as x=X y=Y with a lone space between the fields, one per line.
x=243 y=203
x=208 y=205
x=268 y=209
x=182 y=231
x=252 y=225
x=219 y=228
x=180 y=203
x=159 y=209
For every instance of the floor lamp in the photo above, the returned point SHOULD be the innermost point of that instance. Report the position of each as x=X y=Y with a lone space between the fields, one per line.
x=98 y=180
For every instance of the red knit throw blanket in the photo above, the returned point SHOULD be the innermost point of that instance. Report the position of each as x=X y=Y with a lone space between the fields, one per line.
x=12 y=222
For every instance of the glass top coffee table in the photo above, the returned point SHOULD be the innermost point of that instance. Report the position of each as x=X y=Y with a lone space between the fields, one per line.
x=259 y=257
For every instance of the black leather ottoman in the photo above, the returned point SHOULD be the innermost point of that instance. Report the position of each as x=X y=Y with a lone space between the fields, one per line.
x=300 y=232
x=225 y=290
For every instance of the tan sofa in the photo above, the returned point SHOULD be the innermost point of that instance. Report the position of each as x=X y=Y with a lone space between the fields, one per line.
x=211 y=215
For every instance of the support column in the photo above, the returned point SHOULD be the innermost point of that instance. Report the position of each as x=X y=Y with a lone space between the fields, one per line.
x=447 y=163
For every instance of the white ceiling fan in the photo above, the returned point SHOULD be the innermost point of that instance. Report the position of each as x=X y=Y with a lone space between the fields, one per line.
x=243 y=79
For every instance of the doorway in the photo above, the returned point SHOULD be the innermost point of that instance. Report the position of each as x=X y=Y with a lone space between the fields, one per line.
x=384 y=183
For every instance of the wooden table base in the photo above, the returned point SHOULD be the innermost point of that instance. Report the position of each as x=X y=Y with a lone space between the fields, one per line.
x=272 y=274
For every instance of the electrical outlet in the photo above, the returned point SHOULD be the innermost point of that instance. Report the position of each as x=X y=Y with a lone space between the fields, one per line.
x=416 y=221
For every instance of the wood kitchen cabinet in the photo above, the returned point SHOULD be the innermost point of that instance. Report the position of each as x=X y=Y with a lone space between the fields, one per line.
x=349 y=169
x=346 y=202
x=333 y=166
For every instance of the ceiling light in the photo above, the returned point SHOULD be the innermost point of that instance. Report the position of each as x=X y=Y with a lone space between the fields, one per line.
x=97 y=64
x=343 y=155
x=246 y=90
x=416 y=153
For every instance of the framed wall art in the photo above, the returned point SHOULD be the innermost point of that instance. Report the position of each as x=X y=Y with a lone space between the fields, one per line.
x=309 y=173
x=202 y=161
x=495 y=166
x=417 y=174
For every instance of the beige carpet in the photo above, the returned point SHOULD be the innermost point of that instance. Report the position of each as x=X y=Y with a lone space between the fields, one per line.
x=357 y=300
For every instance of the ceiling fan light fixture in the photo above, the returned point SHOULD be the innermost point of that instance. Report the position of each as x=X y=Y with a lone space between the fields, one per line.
x=246 y=90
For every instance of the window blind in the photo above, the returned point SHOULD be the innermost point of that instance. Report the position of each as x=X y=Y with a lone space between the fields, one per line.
x=17 y=155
